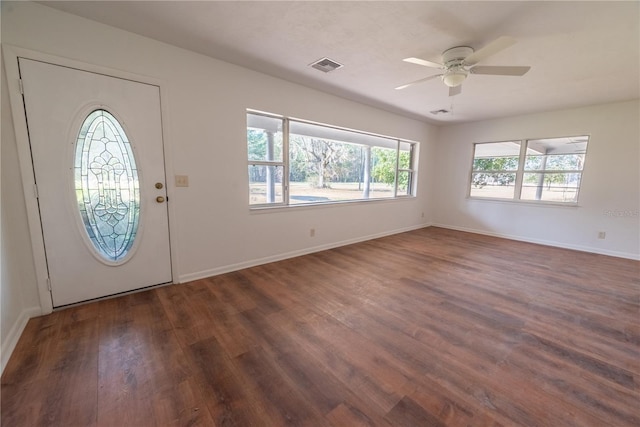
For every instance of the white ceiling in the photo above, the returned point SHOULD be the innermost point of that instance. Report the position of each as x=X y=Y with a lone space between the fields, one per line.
x=581 y=53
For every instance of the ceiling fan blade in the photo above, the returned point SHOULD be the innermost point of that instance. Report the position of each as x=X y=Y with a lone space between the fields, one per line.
x=453 y=91
x=492 y=48
x=418 y=81
x=497 y=70
x=423 y=62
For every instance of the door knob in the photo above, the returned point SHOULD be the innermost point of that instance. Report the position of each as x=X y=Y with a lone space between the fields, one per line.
x=159 y=199
x=159 y=185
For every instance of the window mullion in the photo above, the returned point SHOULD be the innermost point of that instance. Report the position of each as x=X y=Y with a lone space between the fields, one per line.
x=411 y=182
x=520 y=172
x=265 y=163
x=395 y=181
x=285 y=160
x=553 y=171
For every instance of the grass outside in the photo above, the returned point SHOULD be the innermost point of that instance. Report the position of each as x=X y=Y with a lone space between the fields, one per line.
x=549 y=194
x=303 y=192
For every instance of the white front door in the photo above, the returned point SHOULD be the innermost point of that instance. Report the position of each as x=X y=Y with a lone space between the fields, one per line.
x=98 y=159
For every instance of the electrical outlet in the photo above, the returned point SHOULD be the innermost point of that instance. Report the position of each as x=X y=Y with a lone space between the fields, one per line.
x=422 y=214
x=312 y=232
x=601 y=234
x=182 y=180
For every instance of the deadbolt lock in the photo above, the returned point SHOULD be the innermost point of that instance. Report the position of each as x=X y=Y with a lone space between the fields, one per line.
x=159 y=185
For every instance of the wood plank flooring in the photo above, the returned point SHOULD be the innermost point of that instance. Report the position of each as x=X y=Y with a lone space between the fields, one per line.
x=428 y=328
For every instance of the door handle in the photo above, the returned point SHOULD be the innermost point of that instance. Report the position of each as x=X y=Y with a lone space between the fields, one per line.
x=160 y=199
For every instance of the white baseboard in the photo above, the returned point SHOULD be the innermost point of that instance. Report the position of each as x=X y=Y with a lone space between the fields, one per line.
x=183 y=278
x=11 y=340
x=581 y=248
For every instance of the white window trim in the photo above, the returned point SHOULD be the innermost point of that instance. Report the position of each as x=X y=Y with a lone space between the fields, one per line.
x=520 y=175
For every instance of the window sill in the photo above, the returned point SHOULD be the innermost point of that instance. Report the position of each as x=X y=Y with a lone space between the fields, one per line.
x=302 y=206
x=538 y=203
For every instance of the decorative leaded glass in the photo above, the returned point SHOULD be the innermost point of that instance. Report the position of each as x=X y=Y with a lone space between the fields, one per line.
x=106 y=185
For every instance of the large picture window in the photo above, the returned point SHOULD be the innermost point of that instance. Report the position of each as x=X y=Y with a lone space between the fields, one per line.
x=293 y=162
x=548 y=170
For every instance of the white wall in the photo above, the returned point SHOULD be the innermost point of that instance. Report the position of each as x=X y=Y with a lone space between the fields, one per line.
x=18 y=294
x=205 y=102
x=609 y=197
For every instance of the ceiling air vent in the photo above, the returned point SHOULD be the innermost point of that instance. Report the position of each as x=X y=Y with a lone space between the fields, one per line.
x=440 y=111
x=325 y=65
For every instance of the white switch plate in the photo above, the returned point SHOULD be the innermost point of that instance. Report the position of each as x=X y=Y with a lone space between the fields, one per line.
x=182 y=180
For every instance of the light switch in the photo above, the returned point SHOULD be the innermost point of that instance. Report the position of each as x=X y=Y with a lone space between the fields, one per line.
x=182 y=180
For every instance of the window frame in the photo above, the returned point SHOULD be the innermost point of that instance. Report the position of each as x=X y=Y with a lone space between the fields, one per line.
x=521 y=171
x=286 y=203
x=496 y=171
x=410 y=170
x=274 y=163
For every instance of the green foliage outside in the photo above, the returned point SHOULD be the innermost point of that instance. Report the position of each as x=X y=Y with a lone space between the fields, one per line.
x=501 y=170
x=257 y=145
x=561 y=162
x=321 y=162
x=257 y=142
x=495 y=168
x=384 y=166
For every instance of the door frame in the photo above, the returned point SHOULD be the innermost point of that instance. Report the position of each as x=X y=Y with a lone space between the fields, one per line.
x=10 y=57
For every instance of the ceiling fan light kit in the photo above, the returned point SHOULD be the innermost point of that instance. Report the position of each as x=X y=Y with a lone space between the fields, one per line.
x=455 y=72
x=454 y=78
x=458 y=62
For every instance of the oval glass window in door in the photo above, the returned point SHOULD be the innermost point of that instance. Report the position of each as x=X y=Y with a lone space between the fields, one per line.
x=106 y=186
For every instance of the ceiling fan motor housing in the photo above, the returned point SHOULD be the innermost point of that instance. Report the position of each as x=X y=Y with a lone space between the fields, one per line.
x=456 y=55
x=455 y=71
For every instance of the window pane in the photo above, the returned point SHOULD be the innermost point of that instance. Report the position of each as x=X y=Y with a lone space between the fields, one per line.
x=265 y=184
x=405 y=156
x=551 y=187
x=495 y=165
x=562 y=154
x=494 y=185
x=564 y=162
x=560 y=162
x=327 y=164
x=383 y=171
x=404 y=183
x=264 y=138
x=496 y=156
x=554 y=154
x=324 y=171
x=106 y=185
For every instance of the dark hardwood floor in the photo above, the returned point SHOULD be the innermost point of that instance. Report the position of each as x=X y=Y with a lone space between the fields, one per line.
x=428 y=328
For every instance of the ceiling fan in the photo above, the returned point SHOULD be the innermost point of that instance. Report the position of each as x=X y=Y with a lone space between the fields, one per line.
x=458 y=62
